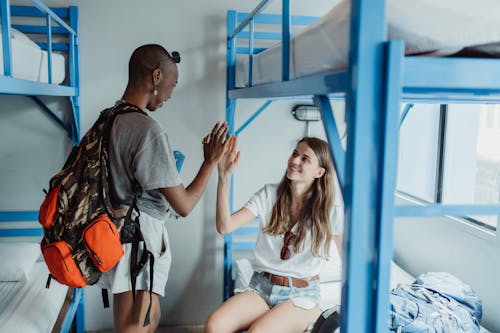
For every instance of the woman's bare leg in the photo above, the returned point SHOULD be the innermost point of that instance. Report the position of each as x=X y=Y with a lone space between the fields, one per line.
x=285 y=318
x=237 y=313
x=129 y=318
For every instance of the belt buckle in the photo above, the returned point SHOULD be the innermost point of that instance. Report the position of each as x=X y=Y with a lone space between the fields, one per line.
x=280 y=280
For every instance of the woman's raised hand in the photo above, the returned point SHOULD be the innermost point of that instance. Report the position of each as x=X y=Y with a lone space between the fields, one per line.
x=214 y=143
x=230 y=159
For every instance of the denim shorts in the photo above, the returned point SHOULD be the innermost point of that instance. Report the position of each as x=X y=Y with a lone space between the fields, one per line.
x=305 y=298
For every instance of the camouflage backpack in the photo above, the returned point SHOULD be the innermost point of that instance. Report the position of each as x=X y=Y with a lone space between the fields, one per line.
x=81 y=230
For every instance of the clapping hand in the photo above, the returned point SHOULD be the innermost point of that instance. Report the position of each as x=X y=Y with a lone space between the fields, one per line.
x=214 y=143
x=230 y=159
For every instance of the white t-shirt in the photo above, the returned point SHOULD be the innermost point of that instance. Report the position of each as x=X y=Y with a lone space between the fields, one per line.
x=267 y=249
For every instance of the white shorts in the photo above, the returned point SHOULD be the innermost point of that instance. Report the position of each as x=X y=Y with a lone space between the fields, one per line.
x=154 y=231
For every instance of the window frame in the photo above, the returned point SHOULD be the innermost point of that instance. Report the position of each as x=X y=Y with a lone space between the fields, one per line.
x=439 y=179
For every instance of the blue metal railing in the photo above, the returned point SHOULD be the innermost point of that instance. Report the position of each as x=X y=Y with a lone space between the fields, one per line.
x=256 y=17
x=54 y=24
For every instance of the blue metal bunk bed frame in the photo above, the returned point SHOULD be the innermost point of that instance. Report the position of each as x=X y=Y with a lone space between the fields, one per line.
x=378 y=78
x=55 y=24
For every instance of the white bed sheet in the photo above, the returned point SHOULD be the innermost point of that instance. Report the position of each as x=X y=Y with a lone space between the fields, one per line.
x=429 y=27
x=29 y=307
x=29 y=61
x=331 y=291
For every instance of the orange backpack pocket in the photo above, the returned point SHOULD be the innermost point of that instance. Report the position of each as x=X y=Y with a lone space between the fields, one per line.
x=103 y=243
x=61 y=265
x=48 y=208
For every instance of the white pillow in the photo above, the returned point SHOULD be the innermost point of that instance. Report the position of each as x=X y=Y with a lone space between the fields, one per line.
x=21 y=38
x=17 y=259
x=243 y=272
x=331 y=270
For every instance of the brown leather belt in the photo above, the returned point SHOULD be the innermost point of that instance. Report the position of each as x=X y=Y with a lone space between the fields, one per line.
x=283 y=280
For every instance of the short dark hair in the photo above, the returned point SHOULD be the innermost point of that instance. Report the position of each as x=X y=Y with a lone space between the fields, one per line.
x=147 y=58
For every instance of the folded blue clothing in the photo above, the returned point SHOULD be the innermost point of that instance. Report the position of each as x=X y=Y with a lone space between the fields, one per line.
x=435 y=302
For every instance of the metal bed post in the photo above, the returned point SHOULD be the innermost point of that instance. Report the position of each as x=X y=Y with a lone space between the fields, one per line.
x=75 y=311
x=80 y=313
x=74 y=73
x=332 y=133
x=230 y=109
x=250 y=51
x=6 y=41
x=389 y=159
x=49 y=49
x=285 y=43
x=365 y=107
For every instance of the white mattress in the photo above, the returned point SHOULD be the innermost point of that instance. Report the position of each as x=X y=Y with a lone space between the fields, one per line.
x=29 y=61
x=331 y=291
x=29 y=307
x=427 y=26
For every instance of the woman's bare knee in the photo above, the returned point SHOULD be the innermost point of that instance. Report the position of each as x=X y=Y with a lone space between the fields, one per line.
x=214 y=323
x=258 y=329
x=236 y=314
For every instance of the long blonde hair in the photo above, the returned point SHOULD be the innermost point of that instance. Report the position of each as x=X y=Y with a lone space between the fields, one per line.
x=315 y=214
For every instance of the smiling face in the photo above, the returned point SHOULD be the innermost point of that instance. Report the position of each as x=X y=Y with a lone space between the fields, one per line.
x=303 y=165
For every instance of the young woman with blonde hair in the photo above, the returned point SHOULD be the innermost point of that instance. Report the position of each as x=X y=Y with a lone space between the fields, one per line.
x=298 y=221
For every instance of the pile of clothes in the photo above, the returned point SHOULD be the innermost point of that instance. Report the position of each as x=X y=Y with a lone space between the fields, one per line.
x=436 y=302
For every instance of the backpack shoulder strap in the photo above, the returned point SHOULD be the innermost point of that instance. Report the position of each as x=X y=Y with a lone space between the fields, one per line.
x=106 y=121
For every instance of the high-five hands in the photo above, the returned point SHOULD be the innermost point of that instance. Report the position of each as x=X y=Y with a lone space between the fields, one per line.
x=214 y=143
x=230 y=159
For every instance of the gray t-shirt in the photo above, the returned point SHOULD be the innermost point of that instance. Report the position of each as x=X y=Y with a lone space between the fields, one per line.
x=140 y=150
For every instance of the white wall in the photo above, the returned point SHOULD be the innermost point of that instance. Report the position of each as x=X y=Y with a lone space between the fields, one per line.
x=418 y=142
x=109 y=31
x=32 y=148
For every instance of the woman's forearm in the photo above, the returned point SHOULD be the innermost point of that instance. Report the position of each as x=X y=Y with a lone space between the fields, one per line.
x=223 y=215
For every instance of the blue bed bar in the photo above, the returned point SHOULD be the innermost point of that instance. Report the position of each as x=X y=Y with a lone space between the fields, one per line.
x=75 y=310
x=425 y=79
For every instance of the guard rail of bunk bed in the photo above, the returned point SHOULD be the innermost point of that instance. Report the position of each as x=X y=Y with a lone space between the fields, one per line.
x=378 y=78
x=55 y=24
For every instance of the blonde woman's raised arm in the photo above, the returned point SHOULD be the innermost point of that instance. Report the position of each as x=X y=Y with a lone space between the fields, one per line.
x=225 y=221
